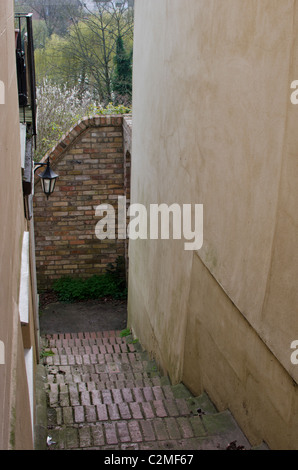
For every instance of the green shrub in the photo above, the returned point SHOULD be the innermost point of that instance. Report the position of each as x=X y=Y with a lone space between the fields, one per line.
x=68 y=289
x=96 y=287
x=117 y=273
x=109 y=109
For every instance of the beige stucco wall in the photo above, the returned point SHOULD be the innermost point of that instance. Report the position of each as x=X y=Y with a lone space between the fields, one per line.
x=225 y=357
x=15 y=420
x=213 y=124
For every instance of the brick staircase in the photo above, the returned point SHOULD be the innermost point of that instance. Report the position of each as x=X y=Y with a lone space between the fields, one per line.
x=104 y=392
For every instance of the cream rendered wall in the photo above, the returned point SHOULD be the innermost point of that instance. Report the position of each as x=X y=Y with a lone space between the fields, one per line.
x=213 y=124
x=15 y=419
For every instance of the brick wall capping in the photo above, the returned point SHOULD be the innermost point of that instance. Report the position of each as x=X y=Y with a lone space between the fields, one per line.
x=68 y=139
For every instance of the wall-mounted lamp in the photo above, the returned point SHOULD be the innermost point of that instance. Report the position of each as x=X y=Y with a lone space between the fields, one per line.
x=48 y=177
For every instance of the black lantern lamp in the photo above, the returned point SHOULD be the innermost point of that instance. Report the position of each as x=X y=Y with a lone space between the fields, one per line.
x=48 y=178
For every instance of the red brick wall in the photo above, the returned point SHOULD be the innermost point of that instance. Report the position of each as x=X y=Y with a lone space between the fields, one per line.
x=90 y=164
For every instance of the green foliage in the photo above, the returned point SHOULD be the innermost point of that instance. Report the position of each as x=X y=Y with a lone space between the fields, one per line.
x=112 y=284
x=109 y=109
x=95 y=287
x=40 y=34
x=82 y=65
x=125 y=332
x=122 y=79
x=85 y=54
x=112 y=109
x=117 y=272
x=50 y=60
x=46 y=353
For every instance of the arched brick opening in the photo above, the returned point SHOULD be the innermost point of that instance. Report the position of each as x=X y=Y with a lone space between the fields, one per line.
x=90 y=162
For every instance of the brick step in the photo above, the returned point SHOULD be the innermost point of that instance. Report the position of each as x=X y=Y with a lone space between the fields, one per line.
x=105 y=381
x=98 y=360
x=151 y=434
x=218 y=425
x=104 y=391
x=109 y=375
x=95 y=351
x=89 y=393
x=108 y=342
x=62 y=356
x=84 y=427
x=113 y=395
x=66 y=411
x=111 y=367
x=186 y=417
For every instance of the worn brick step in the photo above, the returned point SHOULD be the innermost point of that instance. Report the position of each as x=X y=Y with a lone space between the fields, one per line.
x=85 y=335
x=223 y=424
x=117 y=362
x=104 y=391
x=94 y=354
x=107 y=342
x=118 y=391
x=93 y=347
x=133 y=432
x=159 y=433
x=67 y=411
x=102 y=366
x=94 y=376
x=103 y=382
x=89 y=339
x=66 y=395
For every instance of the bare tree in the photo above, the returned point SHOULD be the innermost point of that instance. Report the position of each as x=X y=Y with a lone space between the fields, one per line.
x=55 y=13
x=105 y=23
x=82 y=50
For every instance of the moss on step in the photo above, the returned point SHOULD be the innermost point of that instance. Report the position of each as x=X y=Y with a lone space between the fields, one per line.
x=180 y=391
x=201 y=405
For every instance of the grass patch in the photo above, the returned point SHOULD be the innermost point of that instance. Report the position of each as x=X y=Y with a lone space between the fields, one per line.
x=46 y=353
x=125 y=332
